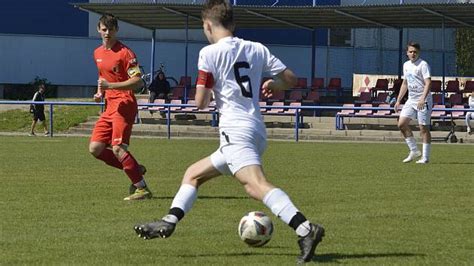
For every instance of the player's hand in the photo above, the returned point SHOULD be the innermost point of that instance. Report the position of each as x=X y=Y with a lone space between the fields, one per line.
x=102 y=84
x=396 y=106
x=420 y=105
x=266 y=91
x=98 y=97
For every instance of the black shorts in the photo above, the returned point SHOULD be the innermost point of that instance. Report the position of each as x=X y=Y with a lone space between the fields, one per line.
x=39 y=116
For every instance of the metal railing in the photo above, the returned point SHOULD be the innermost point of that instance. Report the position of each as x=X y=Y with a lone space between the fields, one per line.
x=297 y=114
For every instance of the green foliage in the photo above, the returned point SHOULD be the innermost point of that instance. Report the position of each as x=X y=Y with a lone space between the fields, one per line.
x=26 y=91
x=61 y=206
x=65 y=116
x=465 y=52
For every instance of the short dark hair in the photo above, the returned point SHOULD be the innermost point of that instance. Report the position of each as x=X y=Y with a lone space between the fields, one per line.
x=414 y=44
x=108 y=20
x=219 y=11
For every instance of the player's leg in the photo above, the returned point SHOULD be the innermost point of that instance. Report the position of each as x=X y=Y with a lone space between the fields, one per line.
x=122 y=124
x=42 y=119
x=196 y=174
x=33 y=125
x=406 y=115
x=98 y=145
x=257 y=186
x=469 y=116
x=424 y=120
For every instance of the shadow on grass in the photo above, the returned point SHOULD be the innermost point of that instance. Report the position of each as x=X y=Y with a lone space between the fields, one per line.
x=337 y=257
x=460 y=163
x=206 y=197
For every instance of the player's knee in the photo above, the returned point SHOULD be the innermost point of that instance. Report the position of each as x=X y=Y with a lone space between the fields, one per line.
x=95 y=150
x=119 y=150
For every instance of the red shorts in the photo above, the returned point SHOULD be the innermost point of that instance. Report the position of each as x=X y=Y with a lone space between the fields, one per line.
x=114 y=126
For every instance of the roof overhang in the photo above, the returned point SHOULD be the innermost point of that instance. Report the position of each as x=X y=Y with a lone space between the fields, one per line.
x=173 y=16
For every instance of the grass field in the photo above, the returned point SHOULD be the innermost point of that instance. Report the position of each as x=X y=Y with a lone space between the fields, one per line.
x=60 y=206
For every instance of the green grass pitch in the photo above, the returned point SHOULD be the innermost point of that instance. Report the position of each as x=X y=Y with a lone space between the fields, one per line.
x=60 y=206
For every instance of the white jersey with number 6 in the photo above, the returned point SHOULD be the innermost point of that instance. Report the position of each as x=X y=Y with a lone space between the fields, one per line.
x=237 y=67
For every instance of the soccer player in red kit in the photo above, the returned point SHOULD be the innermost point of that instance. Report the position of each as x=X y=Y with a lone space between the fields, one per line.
x=119 y=75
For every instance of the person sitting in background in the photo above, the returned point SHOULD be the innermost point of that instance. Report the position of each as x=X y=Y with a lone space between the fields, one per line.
x=159 y=88
x=470 y=115
x=38 y=110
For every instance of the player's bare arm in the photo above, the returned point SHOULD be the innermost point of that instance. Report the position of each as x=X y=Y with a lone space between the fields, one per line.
x=203 y=97
x=426 y=91
x=401 y=94
x=132 y=83
x=282 y=81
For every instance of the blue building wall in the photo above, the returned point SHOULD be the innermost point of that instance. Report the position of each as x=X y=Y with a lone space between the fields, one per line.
x=45 y=17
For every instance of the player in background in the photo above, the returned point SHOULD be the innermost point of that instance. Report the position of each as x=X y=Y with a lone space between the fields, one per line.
x=417 y=80
x=119 y=75
x=38 y=110
x=232 y=69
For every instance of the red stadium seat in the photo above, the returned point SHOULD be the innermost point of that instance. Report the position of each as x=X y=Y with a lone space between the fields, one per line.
x=364 y=97
x=383 y=112
x=276 y=110
x=436 y=86
x=295 y=96
x=364 y=112
x=438 y=114
x=458 y=114
x=317 y=84
x=455 y=99
x=452 y=86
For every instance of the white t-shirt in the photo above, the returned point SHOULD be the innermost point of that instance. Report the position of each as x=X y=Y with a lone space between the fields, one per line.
x=237 y=67
x=415 y=75
x=471 y=101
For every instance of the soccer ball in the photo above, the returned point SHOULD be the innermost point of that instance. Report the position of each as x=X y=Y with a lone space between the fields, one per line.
x=255 y=229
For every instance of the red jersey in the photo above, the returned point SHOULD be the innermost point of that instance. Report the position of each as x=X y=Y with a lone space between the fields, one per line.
x=116 y=65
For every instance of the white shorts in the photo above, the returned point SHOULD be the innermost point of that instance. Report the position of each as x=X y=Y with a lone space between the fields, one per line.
x=238 y=148
x=411 y=111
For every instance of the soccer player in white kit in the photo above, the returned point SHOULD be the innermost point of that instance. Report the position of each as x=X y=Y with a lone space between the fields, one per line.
x=417 y=80
x=232 y=69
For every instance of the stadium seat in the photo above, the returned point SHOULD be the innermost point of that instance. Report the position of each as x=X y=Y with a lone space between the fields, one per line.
x=176 y=108
x=292 y=111
x=295 y=96
x=262 y=108
x=469 y=86
x=190 y=108
x=397 y=84
x=437 y=99
x=346 y=112
x=277 y=96
x=142 y=101
x=183 y=81
x=382 y=113
x=364 y=112
x=158 y=108
x=311 y=98
x=177 y=93
x=455 y=99
x=302 y=83
x=452 y=86
x=210 y=108
x=438 y=114
x=364 y=97
x=317 y=84
x=192 y=94
x=335 y=84
x=276 y=110
x=436 y=86
x=380 y=85
x=458 y=114
x=381 y=98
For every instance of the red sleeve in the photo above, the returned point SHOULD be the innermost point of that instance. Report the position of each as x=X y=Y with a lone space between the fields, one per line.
x=206 y=79
x=131 y=64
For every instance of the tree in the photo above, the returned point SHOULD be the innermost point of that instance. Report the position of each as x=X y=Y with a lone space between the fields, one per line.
x=465 y=52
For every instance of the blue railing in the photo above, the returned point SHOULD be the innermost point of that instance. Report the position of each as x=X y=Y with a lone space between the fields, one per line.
x=298 y=116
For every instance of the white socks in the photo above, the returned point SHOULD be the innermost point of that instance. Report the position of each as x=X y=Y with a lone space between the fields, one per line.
x=185 y=197
x=426 y=151
x=411 y=142
x=280 y=204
